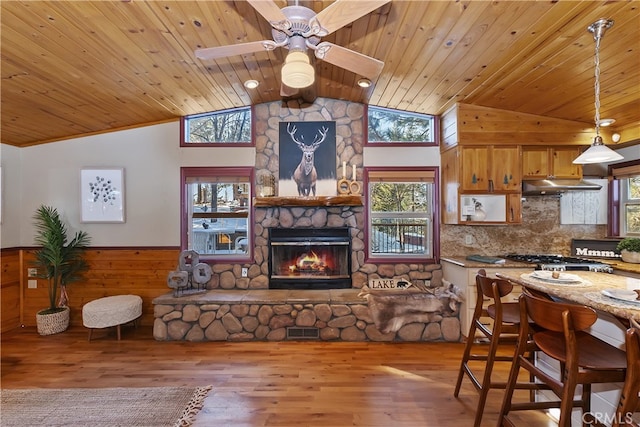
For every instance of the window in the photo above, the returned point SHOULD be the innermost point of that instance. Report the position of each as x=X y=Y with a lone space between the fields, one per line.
x=401 y=224
x=399 y=128
x=230 y=127
x=630 y=191
x=625 y=199
x=216 y=212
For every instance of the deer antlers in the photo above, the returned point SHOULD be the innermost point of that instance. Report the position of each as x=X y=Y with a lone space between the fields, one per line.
x=317 y=140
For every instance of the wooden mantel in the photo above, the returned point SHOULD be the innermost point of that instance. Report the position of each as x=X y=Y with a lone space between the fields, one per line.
x=309 y=201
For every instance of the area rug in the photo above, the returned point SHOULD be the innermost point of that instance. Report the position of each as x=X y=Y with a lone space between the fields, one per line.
x=95 y=407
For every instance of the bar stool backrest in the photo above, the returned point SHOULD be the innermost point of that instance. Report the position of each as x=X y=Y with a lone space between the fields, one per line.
x=552 y=315
x=485 y=284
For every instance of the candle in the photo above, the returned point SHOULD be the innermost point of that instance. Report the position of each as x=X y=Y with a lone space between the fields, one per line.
x=344 y=170
x=354 y=172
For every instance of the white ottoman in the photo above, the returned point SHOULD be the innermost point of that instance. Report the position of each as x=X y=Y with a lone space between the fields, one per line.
x=111 y=311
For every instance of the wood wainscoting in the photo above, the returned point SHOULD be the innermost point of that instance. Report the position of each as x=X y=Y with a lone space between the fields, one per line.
x=112 y=271
x=10 y=289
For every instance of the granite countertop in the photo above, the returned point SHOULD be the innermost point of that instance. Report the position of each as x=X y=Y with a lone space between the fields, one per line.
x=463 y=262
x=624 y=266
x=587 y=292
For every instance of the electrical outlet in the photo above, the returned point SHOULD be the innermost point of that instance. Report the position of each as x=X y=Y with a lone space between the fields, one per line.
x=468 y=239
x=245 y=272
x=32 y=272
x=32 y=284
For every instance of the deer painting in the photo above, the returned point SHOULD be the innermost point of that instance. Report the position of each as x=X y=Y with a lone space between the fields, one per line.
x=305 y=175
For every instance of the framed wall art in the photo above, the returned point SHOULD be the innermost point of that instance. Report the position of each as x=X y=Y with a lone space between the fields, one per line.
x=307 y=159
x=102 y=195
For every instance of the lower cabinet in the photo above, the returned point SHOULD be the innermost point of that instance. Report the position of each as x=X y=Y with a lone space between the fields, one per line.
x=465 y=279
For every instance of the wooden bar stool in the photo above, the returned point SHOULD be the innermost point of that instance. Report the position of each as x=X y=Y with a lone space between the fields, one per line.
x=629 y=399
x=584 y=359
x=502 y=328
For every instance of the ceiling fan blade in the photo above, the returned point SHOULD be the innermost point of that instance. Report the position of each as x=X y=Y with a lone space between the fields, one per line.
x=234 y=49
x=350 y=60
x=341 y=13
x=272 y=13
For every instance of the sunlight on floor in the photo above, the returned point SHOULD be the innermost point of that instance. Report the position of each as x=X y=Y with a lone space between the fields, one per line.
x=403 y=374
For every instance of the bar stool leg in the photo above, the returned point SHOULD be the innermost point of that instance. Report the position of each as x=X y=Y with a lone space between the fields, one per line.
x=465 y=358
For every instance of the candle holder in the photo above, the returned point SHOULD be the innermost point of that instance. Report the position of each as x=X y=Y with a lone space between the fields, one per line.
x=355 y=188
x=344 y=186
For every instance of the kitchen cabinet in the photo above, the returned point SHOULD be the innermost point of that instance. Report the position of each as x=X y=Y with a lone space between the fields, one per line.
x=550 y=163
x=481 y=171
x=490 y=168
x=465 y=279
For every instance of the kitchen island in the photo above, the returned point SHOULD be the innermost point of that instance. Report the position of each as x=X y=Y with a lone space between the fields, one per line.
x=613 y=318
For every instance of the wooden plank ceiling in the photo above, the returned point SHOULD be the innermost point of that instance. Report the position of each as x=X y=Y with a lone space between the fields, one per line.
x=73 y=68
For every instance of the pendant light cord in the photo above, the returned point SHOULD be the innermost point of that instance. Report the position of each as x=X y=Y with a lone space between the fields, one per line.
x=597 y=83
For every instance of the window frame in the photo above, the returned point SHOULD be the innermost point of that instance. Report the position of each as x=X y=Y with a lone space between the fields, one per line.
x=184 y=120
x=214 y=172
x=435 y=130
x=617 y=173
x=435 y=216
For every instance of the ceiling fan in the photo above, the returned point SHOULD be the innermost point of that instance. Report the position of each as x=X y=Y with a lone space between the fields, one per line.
x=299 y=29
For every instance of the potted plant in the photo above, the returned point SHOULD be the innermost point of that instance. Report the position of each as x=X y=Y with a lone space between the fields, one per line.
x=59 y=261
x=629 y=248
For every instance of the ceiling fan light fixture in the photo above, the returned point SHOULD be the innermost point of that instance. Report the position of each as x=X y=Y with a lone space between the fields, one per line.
x=598 y=152
x=297 y=71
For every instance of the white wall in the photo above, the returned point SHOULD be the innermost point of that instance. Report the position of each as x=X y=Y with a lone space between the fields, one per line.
x=401 y=156
x=630 y=153
x=151 y=157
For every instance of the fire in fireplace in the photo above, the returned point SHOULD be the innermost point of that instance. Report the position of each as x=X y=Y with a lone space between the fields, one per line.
x=309 y=258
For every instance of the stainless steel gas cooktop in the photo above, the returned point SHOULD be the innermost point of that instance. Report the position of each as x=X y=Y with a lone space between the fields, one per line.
x=560 y=263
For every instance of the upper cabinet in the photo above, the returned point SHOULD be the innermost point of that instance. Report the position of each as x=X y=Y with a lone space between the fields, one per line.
x=489 y=152
x=550 y=163
x=477 y=176
x=490 y=169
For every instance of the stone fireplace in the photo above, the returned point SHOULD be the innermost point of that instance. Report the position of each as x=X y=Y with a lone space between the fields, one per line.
x=267 y=300
x=309 y=258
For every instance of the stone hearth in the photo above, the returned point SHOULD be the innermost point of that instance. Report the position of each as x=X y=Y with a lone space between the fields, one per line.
x=277 y=315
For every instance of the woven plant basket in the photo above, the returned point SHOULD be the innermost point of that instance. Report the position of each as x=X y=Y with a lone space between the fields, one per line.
x=627 y=256
x=54 y=323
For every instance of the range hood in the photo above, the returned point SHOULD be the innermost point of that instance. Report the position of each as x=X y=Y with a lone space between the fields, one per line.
x=544 y=187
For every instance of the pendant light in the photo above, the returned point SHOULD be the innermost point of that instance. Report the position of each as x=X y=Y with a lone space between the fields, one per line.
x=598 y=152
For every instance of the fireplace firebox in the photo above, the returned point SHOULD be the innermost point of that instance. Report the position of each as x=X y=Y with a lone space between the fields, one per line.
x=309 y=258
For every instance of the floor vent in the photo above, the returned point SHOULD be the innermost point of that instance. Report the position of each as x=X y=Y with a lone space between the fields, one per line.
x=303 y=333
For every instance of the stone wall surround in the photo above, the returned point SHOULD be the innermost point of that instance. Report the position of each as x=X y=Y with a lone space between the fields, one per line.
x=349 y=118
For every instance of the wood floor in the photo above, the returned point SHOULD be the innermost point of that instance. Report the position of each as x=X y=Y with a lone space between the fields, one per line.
x=264 y=383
